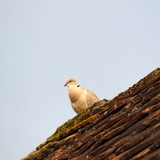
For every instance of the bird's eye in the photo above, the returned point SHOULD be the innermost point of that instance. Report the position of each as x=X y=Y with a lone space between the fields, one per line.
x=70 y=81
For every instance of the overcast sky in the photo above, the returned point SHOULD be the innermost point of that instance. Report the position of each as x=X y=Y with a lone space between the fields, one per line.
x=107 y=45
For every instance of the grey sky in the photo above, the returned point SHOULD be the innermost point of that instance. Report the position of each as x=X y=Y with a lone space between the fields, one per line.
x=106 y=45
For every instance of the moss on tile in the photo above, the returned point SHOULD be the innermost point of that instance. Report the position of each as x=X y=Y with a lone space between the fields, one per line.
x=63 y=131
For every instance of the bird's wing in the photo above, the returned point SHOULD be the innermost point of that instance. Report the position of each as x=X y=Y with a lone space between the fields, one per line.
x=91 y=98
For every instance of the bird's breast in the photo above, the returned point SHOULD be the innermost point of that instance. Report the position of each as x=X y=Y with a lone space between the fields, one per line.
x=74 y=94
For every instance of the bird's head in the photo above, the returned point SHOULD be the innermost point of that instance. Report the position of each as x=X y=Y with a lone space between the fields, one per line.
x=71 y=81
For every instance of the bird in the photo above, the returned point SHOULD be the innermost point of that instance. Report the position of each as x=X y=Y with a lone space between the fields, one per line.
x=80 y=97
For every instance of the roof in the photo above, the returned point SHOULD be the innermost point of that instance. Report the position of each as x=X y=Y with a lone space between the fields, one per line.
x=126 y=127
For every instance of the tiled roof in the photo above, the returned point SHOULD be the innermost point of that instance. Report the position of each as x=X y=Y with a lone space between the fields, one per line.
x=124 y=128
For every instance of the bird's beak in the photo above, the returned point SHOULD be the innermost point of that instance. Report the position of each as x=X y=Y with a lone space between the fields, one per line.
x=65 y=84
